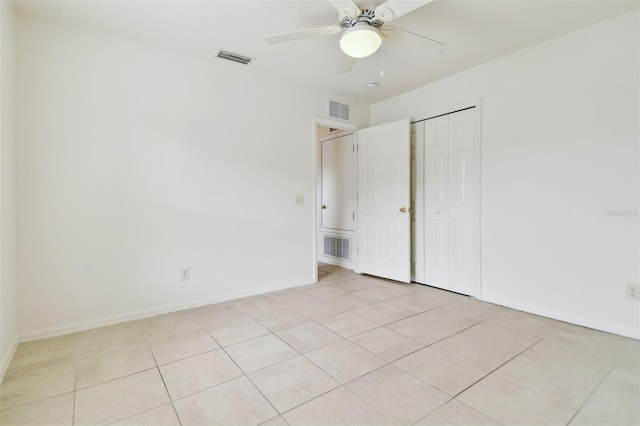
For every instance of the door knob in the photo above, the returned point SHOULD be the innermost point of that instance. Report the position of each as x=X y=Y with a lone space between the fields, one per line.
x=324 y=206
x=438 y=213
x=403 y=209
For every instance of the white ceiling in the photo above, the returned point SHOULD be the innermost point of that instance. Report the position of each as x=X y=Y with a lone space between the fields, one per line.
x=475 y=32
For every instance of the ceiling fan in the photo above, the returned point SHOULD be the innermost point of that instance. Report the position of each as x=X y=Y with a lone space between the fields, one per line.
x=362 y=28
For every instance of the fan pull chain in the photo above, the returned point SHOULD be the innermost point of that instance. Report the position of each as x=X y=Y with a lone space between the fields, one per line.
x=382 y=60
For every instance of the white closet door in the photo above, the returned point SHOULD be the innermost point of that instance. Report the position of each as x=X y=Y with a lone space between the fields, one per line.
x=451 y=203
x=437 y=202
x=338 y=189
x=383 y=234
x=462 y=203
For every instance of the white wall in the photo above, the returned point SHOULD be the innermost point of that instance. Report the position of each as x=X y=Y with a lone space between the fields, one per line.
x=8 y=301
x=560 y=141
x=134 y=161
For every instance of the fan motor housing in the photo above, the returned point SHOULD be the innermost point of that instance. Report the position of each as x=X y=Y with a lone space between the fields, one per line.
x=367 y=16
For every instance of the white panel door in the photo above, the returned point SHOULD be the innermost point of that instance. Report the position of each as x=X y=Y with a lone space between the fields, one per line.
x=451 y=200
x=462 y=203
x=338 y=183
x=383 y=233
x=436 y=201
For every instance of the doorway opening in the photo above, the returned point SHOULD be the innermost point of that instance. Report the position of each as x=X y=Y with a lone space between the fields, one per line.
x=335 y=187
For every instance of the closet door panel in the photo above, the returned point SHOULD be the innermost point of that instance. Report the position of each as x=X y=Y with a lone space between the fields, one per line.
x=436 y=190
x=462 y=202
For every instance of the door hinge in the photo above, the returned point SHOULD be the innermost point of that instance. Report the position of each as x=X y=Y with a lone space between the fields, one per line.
x=353 y=216
x=353 y=148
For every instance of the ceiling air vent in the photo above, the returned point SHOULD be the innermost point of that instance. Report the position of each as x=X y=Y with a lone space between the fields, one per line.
x=338 y=110
x=235 y=57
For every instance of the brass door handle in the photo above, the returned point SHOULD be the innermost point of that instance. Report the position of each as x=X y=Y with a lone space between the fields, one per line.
x=403 y=209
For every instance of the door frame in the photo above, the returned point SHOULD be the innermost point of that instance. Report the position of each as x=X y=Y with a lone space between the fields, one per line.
x=317 y=193
x=477 y=105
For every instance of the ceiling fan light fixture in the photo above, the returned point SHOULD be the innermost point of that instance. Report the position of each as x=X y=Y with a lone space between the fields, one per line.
x=361 y=40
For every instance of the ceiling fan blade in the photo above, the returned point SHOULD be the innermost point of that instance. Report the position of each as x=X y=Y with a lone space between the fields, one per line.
x=393 y=9
x=297 y=35
x=345 y=64
x=437 y=46
x=345 y=8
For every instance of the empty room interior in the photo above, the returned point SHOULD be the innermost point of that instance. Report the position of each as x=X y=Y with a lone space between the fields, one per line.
x=319 y=212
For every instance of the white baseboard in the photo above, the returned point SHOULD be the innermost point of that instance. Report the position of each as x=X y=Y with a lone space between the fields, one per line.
x=621 y=331
x=146 y=313
x=7 y=357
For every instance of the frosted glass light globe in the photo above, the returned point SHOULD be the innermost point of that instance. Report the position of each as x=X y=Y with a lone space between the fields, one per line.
x=361 y=40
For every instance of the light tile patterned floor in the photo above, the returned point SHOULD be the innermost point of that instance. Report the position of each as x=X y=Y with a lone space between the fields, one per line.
x=350 y=350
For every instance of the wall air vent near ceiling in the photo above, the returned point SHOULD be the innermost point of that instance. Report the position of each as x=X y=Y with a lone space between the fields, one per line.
x=338 y=110
x=235 y=57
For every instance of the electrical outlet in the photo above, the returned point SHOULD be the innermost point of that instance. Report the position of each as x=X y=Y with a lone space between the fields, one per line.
x=184 y=274
x=633 y=292
x=299 y=200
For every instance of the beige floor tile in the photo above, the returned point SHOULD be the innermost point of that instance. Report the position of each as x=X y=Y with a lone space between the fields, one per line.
x=398 y=395
x=440 y=371
x=294 y=298
x=236 y=332
x=324 y=291
x=383 y=292
x=197 y=373
x=353 y=285
x=512 y=404
x=260 y=352
x=293 y=382
x=168 y=325
x=345 y=361
x=337 y=270
x=455 y=413
x=308 y=336
x=348 y=301
x=56 y=411
x=596 y=344
x=276 y=421
x=281 y=320
x=259 y=306
x=347 y=324
x=236 y=402
x=382 y=313
x=119 y=399
x=327 y=278
x=113 y=365
x=338 y=407
x=416 y=304
x=562 y=375
x=533 y=325
x=43 y=353
x=164 y=415
x=319 y=310
x=617 y=399
x=25 y=386
x=476 y=309
x=182 y=346
x=219 y=315
x=582 y=419
x=485 y=346
x=386 y=344
x=433 y=325
x=112 y=339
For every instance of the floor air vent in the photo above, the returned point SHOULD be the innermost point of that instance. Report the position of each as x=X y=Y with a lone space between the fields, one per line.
x=337 y=247
x=235 y=57
x=338 y=110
